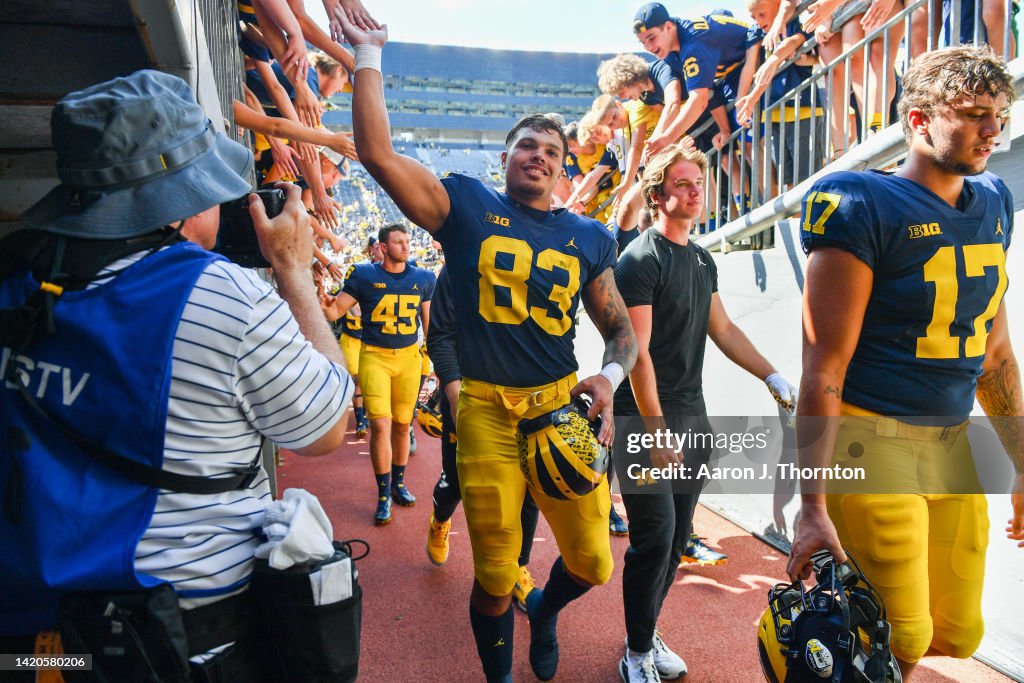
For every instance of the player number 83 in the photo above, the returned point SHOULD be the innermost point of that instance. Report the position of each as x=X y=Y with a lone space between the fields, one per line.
x=514 y=281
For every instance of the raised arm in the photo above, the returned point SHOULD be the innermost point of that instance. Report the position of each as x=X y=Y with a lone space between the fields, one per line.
x=334 y=307
x=605 y=307
x=278 y=127
x=585 y=188
x=835 y=299
x=293 y=58
x=286 y=242
x=682 y=122
x=316 y=35
x=416 y=191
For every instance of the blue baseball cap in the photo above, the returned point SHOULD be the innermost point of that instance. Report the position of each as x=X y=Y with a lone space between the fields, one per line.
x=649 y=16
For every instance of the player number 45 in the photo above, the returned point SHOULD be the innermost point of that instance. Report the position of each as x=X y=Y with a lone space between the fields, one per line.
x=397 y=313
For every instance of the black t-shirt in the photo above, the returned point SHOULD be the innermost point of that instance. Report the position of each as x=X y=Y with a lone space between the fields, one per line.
x=677 y=282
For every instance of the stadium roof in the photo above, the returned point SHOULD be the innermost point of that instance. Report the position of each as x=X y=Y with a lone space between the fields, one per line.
x=470 y=63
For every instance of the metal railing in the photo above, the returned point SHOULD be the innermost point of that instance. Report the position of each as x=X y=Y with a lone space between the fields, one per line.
x=839 y=108
x=881 y=150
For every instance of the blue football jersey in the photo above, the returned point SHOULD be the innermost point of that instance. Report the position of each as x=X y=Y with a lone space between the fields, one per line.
x=516 y=276
x=389 y=302
x=663 y=73
x=352 y=322
x=576 y=166
x=939 y=276
x=713 y=46
x=671 y=69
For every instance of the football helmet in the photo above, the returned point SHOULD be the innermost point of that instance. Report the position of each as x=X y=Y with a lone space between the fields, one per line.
x=429 y=414
x=559 y=453
x=836 y=631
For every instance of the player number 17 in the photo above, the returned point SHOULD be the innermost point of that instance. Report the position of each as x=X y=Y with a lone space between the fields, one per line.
x=940 y=269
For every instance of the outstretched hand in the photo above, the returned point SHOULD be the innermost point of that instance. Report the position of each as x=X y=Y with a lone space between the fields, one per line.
x=351 y=10
x=359 y=35
x=820 y=13
x=878 y=13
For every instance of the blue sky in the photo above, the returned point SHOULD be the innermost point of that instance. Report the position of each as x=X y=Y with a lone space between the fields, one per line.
x=546 y=25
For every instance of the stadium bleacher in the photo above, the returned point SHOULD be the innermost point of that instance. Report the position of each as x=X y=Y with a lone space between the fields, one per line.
x=462 y=94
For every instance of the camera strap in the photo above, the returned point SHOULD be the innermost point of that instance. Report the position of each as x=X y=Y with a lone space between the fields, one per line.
x=21 y=325
x=140 y=472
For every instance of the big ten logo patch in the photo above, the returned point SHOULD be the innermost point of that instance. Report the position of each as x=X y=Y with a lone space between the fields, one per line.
x=497 y=220
x=923 y=230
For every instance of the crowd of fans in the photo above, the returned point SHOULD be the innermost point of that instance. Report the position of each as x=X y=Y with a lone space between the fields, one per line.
x=714 y=79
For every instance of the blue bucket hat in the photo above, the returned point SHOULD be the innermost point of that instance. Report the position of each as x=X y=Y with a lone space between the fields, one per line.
x=135 y=154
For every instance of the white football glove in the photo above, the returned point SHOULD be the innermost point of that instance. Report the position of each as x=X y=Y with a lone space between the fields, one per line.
x=782 y=391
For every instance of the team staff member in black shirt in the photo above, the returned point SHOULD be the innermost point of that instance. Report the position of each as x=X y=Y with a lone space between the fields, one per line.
x=664 y=277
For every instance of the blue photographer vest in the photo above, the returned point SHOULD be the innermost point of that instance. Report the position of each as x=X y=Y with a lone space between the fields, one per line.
x=67 y=522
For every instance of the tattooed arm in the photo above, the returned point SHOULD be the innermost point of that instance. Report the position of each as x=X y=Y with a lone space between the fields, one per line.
x=836 y=295
x=605 y=307
x=999 y=393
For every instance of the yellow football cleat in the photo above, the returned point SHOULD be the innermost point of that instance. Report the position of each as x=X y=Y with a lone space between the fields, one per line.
x=524 y=586
x=437 y=541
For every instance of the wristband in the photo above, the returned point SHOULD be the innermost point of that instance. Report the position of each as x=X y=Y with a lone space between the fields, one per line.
x=614 y=373
x=367 y=57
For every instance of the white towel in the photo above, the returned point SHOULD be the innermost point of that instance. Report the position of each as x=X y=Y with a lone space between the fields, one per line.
x=297 y=531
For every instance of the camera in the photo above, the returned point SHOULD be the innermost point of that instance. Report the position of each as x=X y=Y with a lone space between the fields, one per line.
x=236 y=238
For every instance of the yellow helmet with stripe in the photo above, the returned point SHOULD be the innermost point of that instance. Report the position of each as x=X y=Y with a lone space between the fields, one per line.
x=559 y=453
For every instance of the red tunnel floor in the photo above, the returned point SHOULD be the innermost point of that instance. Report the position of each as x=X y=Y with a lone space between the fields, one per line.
x=415 y=615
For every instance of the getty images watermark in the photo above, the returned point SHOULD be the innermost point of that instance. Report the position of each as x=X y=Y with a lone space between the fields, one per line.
x=748 y=455
x=666 y=440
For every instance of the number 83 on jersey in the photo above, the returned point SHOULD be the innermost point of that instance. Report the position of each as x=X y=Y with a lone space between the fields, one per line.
x=507 y=265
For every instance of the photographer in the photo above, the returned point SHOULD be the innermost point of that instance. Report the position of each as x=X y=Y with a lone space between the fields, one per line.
x=126 y=341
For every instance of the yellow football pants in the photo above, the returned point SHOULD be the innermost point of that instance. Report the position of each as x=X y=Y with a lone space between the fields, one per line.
x=350 y=348
x=390 y=380
x=493 y=488
x=923 y=552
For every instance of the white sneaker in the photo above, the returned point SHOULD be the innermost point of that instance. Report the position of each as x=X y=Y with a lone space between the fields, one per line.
x=638 y=667
x=668 y=663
